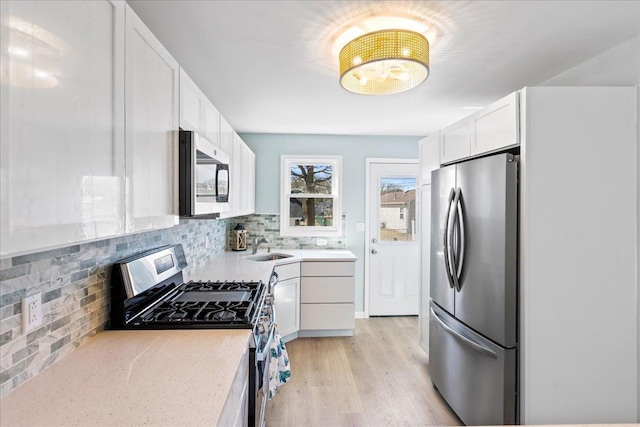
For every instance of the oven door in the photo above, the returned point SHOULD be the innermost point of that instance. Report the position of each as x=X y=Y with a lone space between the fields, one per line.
x=263 y=358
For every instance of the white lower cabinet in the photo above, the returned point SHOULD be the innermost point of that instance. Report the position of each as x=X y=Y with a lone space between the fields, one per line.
x=327 y=317
x=327 y=298
x=235 y=411
x=287 y=299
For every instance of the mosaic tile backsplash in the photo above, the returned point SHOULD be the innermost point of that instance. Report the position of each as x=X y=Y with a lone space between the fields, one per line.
x=74 y=282
x=268 y=226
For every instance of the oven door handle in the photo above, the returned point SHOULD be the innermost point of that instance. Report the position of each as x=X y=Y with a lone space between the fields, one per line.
x=261 y=356
x=273 y=313
x=273 y=281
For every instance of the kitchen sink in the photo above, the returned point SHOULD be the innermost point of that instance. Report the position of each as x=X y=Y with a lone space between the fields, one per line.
x=267 y=257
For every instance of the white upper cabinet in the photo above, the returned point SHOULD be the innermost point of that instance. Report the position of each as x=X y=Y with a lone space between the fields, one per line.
x=211 y=123
x=497 y=126
x=455 y=141
x=190 y=104
x=226 y=136
x=494 y=128
x=242 y=180
x=429 y=157
x=251 y=181
x=152 y=115
x=62 y=133
x=197 y=113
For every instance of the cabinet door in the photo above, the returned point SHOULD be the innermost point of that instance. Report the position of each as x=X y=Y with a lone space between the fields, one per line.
x=429 y=157
x=62 y=133
x=455 y=141
x=287 y=305
x=152 y=79
x=496 y=126
x=425 y=267
x=211 y=123
x=190 y=104
x=226 y=136
x=251 y=184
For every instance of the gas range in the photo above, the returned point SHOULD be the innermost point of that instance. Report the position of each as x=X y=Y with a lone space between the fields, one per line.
x=148 y=292
x=208 y=304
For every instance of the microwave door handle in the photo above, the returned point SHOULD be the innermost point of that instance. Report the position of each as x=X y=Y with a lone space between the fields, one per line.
x=447 y=261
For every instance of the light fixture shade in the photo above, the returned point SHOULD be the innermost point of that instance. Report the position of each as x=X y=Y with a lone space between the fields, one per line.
x=384 y=62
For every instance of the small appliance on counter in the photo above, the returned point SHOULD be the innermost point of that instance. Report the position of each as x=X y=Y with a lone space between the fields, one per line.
x=239 y=242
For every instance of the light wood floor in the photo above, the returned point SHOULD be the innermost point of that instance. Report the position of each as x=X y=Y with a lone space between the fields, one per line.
x=378 y=377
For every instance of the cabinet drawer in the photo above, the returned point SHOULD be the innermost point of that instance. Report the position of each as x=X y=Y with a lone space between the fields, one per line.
x=327 y=316
x=327 y=289
x=328 y=268
x=288 y=271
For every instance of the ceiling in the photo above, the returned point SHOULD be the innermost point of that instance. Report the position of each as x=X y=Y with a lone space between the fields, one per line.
x=271 y=66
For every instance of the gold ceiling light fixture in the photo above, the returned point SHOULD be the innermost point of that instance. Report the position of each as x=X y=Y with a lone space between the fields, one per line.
x=384 y=62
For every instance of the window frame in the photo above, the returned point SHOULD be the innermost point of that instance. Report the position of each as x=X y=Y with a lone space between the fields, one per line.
x=286 y=160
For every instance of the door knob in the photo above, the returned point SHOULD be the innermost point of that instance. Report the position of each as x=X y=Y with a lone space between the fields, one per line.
x=374 y=240
x=373 y=251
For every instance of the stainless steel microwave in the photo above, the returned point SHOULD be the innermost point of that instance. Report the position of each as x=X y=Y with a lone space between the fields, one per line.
x=203 y=177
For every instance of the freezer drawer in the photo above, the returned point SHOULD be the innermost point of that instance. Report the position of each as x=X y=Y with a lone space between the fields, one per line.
x=475 y=376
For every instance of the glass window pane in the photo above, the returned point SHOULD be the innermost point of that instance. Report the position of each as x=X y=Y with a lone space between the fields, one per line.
x=311 y=179
x=310 y=212
x=397 y=213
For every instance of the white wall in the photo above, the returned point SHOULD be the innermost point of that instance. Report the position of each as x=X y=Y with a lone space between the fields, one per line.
x=618 y=66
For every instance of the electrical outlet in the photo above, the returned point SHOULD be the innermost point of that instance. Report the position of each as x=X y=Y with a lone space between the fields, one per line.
x=321 y=242
x=31 y=312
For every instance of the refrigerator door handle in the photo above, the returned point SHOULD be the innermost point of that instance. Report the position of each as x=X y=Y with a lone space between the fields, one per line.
x=474 y=345
x=453 y=234
x=447 y=261
x=460 y=223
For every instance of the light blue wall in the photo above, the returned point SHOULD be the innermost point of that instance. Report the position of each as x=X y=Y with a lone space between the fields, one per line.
x=353 y=149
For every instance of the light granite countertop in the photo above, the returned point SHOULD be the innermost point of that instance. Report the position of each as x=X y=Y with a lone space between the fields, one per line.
x=159 y=377
x=239 y=266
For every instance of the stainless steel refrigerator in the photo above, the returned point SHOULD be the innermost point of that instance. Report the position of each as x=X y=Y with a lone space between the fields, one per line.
x=473 y=323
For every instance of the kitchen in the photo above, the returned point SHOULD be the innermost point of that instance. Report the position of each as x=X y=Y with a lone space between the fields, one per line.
x=75 y=278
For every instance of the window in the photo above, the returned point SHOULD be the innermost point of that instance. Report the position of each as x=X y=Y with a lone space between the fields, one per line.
x=397 y=209
x=311 y=202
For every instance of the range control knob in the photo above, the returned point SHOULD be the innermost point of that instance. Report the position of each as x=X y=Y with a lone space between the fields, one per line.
x=266 y=310
x=261 y=328
x=269 y=299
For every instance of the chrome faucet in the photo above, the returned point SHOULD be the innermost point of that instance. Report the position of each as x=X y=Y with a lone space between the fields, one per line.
x=256 y=242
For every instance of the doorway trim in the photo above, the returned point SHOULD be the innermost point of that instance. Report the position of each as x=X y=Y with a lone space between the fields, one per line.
x=367 y=220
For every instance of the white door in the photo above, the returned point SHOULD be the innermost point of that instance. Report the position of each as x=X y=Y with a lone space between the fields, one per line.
x=393 y=257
